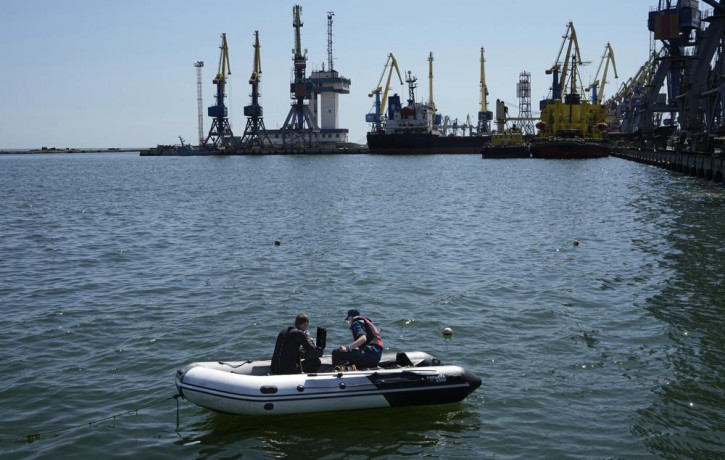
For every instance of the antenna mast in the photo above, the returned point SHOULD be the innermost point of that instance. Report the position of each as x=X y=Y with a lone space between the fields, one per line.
x=523 y=92
x=199 y=65
x=330 y=14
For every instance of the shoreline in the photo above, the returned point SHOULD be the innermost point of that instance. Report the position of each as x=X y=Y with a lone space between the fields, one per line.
x=67 y=150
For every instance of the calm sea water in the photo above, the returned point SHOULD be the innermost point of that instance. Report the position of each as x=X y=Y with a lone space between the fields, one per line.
x=115 y=270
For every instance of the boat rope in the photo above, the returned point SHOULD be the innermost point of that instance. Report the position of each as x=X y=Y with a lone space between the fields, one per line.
x=224 y=363
x=32 y=437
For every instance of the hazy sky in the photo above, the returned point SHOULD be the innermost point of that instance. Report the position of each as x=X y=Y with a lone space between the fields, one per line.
x=101 y=73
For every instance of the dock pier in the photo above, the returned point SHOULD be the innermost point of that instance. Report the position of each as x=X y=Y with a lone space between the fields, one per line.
x=704 y=166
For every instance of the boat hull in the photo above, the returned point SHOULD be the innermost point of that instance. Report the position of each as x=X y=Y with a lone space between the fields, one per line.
x=566 y=149
x=501 y=152
x=228 y=388
x=423 y=143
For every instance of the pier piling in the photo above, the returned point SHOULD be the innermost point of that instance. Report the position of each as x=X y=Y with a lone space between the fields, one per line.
x=703 y=166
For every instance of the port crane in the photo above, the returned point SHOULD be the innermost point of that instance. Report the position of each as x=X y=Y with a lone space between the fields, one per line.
x=220 y=133
x=642 y=78
x=484 y=116
x=566 y=114
x=626 y=107
x=255 y=133
x=559 y=82
x=597 y=88
x=299 y=116
x=468 y=126
x=455 y=126
x=377 y=117
x=445 y=125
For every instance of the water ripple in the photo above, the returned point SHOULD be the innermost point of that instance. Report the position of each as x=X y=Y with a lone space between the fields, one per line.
x=589 y=296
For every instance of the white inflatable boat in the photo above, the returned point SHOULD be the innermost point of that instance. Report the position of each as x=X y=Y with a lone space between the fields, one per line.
x=246 y=387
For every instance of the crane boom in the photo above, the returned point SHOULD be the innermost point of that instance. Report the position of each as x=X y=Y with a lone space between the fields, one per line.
x=484 y=90
x=610 y=57
x=597 y=87
x=571 y=32
x=224 y=67
x=641 y=78
x=257 y=65
x=430 y=81
x=297 y=23
x=393 y=64
x=560 y=81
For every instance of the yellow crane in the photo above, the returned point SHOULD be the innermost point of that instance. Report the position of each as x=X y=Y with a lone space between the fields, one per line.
x=255 y=134
x=484 y=116
x=430 y=82
x=390 y=64
x=221 y=132
x=559 y=83
x=597 y=88
x=643 y=77
x=566 y=114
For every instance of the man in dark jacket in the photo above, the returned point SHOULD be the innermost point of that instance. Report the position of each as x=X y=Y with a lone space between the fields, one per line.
x=293 y=344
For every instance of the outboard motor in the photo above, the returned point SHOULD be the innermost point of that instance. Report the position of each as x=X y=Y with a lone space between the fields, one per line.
x=321 y=339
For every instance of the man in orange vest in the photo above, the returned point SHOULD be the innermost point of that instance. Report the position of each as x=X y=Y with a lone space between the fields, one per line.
x=367 y=346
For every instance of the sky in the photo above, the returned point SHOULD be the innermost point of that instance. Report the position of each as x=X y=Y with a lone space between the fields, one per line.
x=102 y=73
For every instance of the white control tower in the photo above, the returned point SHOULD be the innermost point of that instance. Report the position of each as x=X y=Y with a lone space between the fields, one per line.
x=328 y=85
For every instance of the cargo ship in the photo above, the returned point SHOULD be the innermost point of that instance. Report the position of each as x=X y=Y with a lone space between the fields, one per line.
x=413 y=129
x=570 y=126
x=570 y=129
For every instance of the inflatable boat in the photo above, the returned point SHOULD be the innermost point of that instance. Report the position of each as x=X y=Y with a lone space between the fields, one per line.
x=247 y=387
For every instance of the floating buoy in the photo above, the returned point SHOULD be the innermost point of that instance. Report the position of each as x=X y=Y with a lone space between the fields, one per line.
x=277 y=242
x=447 y=331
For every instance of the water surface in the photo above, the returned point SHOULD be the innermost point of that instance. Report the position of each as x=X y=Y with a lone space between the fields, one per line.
x=115 y=270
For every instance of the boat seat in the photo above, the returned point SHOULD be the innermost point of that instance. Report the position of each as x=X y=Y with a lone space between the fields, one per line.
x=391 y=361
x=416 y=359
x=387 y=361
x=255 y=368
x=394 y=361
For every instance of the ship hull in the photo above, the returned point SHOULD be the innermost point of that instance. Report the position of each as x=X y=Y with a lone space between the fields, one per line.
x=501 y=152
x=565 y=149
x=424 y=143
